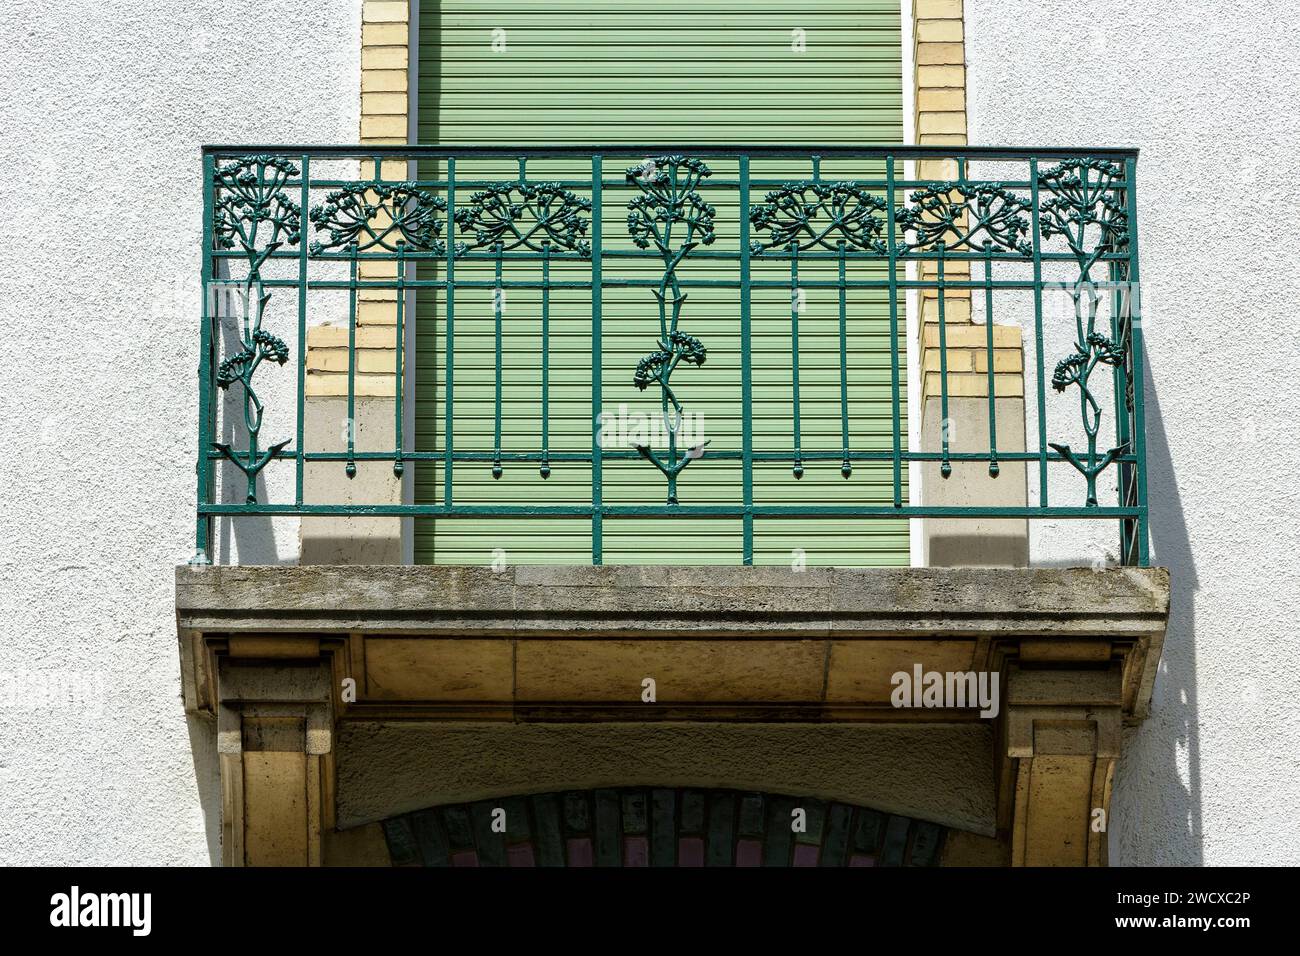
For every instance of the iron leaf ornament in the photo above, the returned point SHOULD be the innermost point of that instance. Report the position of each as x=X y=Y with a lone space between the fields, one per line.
x=1084 y=213
x=672 y=218
x=808 y=215
x=251 y=213
x=378 y=215
x=953 y=215
x=528 y=215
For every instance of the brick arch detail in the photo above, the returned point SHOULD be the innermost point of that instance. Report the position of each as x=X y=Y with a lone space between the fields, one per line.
x=665 y=827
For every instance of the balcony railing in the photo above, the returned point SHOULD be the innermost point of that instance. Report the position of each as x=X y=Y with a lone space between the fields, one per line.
x=698 y=262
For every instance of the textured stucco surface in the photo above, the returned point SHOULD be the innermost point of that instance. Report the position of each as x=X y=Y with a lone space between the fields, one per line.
x=104 y=106
x=1207 y=91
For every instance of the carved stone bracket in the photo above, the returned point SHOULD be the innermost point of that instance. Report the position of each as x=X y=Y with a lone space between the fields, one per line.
x=275 y=741
x=1061 y=737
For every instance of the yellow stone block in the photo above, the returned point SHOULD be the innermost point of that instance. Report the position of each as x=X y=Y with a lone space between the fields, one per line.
x=336 y=336
x=959 y=360
x=938 y=31
x=450 y=670
x=383 y=58
x=384 y=11
x=974 y=336
x=956 y=309
x=378 y=361
x=376 y=313
x=931 y=123
x=394 y=170
x=335 y=385
x=390 y=126
x=383 y=104
x=936 y=9
x=951 y=54
x=1004 y=360
x=384 y=34
x=957 y=270
x=941 y=75
x=970 y=385
x=685 y=671
x=395 y=81
x=940 y=99
x=377 y=269
x=937 y=169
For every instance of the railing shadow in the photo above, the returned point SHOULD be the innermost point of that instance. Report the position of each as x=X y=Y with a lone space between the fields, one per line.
x=1159 y=813
x=249 y=539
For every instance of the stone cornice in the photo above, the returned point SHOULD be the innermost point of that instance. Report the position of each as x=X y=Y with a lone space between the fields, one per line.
x=648 y=602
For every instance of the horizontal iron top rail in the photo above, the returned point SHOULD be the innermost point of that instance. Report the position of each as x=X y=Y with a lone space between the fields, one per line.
x=754 y=151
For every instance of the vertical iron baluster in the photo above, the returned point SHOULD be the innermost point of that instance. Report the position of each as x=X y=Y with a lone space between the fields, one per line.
x=351 y=468
x=988 y=335
x=597 y=514
x=1116 y=273
x=794 y=357
x=846 y=466
x=893 y=333
x=449 y=346
x=545 y=469
x=399 y=364
x=304 y=205
x=207 y=359
x=1135 y=345
x=945 y=469
x=498 y=296
x=1038 y=335
x=746 y=376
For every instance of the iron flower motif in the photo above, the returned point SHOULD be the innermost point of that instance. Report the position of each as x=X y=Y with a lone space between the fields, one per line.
x=527 y=215
x=812 y=214
x=957 y=213
x=381 y=215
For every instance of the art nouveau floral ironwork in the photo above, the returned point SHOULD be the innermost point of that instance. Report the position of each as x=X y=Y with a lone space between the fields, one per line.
x=953 y=215
x=539 y=217
x=535 y=216
x=376 y=215
x=671 y=217
x=252 y=213
x=1075 y=221
x=830 y=215
x=806 y=215
x=1085 y=213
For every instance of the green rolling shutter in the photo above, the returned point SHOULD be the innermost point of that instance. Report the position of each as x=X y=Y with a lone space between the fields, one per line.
x=621 y=71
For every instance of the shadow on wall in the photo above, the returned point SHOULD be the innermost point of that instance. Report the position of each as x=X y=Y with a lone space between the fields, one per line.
x=207 y=775
x=245 y=540
x=1159 y=810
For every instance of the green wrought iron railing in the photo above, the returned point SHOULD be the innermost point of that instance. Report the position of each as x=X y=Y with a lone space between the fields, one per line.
x=1046 y=237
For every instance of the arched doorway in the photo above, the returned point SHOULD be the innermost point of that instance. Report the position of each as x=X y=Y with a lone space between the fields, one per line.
x=643 y=826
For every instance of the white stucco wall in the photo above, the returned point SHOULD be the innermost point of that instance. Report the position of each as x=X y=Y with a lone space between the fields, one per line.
x=104 y=106
x=1207 y=90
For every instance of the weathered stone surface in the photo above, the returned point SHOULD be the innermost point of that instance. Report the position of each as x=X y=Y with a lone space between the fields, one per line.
x=928 y=602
